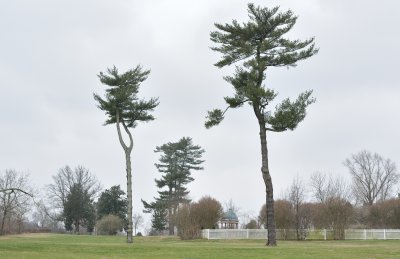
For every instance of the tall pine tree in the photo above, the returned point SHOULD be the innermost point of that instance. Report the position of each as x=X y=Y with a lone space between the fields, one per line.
x=176 y=163
x=255 y=46
x=123 y=108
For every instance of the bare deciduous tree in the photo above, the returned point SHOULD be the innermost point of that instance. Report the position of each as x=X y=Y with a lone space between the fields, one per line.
x=137 y=221
x=65 y=179
x=208 y=211
x=192 y=217
x=296 y=198
x=324 y=187
x=334 y=209
x=283 y=214
x=188 y=227
x=15 y=197
x=384 y=214
x=373 y=177
x=230 y=205
x=44 y=218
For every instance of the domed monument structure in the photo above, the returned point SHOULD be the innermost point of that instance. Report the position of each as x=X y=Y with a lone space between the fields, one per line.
x=229 y=220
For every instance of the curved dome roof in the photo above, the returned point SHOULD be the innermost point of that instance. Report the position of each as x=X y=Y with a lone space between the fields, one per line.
x=230 y=215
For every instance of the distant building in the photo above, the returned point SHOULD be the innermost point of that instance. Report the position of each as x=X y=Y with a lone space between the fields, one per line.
x=229 y=220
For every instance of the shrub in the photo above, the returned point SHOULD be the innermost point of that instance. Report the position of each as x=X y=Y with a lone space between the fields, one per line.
x=187 y=226
x=207 y=212
x=192 y=218
x=109 y=225
x=252 y=224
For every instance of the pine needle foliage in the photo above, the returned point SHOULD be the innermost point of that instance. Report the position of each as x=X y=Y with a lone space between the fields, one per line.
x=121 y=100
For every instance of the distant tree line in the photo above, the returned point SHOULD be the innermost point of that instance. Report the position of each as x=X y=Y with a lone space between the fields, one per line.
x=370 y=201
x=75 y=203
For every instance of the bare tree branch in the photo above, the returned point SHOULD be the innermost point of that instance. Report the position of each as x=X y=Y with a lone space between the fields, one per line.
x=13 y=190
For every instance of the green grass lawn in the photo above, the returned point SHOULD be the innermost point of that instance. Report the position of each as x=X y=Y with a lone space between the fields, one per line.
x=69 y=246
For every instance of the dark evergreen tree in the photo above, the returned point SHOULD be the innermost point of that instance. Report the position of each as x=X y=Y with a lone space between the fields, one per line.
x=112 y=201
x=123 y=107
x=79 y=210
x=158 y=212
x=254 y=46
x=177 y=161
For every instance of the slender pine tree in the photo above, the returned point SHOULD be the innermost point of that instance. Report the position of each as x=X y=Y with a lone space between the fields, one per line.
x=123 y=107
x=254 y=46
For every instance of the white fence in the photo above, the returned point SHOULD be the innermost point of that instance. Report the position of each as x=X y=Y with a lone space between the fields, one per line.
x=234 y=233
x=290 y=234
x=372 y=234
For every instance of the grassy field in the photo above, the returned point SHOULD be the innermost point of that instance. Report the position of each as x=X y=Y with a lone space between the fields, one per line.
x=69 y=246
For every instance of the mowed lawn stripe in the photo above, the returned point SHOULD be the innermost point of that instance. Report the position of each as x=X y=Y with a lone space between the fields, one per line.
x=72 y=246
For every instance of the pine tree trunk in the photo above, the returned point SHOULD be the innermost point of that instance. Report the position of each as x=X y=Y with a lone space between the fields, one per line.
x=170 y=209
x=258 y=110
x=129 y=238
x=268 y=187
x=128 y=150
x=77 y=227
x=170 y=222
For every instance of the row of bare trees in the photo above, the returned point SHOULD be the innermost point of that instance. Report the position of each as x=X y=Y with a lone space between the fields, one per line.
x=330 y=209
x=369 y=201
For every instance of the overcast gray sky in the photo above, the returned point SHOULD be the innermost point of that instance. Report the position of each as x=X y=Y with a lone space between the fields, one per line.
x=51 y=52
